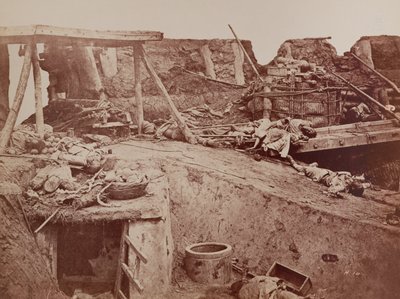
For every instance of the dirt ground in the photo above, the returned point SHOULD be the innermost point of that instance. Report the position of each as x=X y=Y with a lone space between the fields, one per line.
x=268 y=213
x=264 y=209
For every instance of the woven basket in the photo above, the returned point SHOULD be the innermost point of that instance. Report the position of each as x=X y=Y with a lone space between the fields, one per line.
x=123 y=191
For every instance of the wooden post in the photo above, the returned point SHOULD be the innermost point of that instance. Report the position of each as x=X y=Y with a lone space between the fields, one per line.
x=137 y=59
x=38 y=93
x=245 y=54
x=4 y=84
x=19 y=96
x=210 y=69
x=175 y=113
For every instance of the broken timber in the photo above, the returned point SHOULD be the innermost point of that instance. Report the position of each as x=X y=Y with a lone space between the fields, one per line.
x=349 y=135
x=174 y=112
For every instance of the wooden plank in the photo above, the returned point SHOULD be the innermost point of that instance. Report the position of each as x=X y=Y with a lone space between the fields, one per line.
x=37 y=79
x=19 y=96
x=350 y=139
x=370 y=125
x=122 y=295
x=141 y=256
x=44 y=33
x=137 y=59
x=131 y=277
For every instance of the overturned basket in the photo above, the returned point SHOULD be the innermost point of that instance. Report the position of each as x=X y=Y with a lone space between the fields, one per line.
x=128 y=190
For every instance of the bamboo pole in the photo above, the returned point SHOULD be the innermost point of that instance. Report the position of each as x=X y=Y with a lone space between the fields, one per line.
x=19 y=96
x=391 y=83
x=38 y=93
x=366 y=96
x=137 y=57
x=247 y=55
x=175 y=113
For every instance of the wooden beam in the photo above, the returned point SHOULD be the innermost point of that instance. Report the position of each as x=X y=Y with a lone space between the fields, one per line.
x=391 y=83
x=129 y=241
x=343 y=140
x=132 y=278
x=38 y=92
x=174 y=112
x=84 y=37
x=137 y=59
x=366 y=96
x=361 y=126
x=19 y=96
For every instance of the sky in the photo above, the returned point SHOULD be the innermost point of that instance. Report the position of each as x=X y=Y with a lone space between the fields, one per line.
x=267 y=23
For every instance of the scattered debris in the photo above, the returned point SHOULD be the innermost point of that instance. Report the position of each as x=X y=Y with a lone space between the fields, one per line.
x=277 y=114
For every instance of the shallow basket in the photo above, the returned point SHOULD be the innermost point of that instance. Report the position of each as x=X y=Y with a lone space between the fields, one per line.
x=123 y=191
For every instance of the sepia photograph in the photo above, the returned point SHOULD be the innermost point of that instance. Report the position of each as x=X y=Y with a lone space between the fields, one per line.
x=209 y=149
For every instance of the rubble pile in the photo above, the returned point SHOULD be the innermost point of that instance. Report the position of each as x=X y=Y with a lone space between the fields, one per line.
x=65 y=183
x=85 y=116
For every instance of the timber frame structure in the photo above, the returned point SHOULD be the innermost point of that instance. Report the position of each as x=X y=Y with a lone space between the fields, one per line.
x=30 y=36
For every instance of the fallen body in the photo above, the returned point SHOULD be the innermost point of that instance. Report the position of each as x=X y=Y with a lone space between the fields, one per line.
x=277 y=136
x=340 y=181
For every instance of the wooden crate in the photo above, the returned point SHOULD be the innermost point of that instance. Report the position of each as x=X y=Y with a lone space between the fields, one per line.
x=294 y=280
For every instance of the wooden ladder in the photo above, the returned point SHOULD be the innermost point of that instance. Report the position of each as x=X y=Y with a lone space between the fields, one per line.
x=123 y=268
